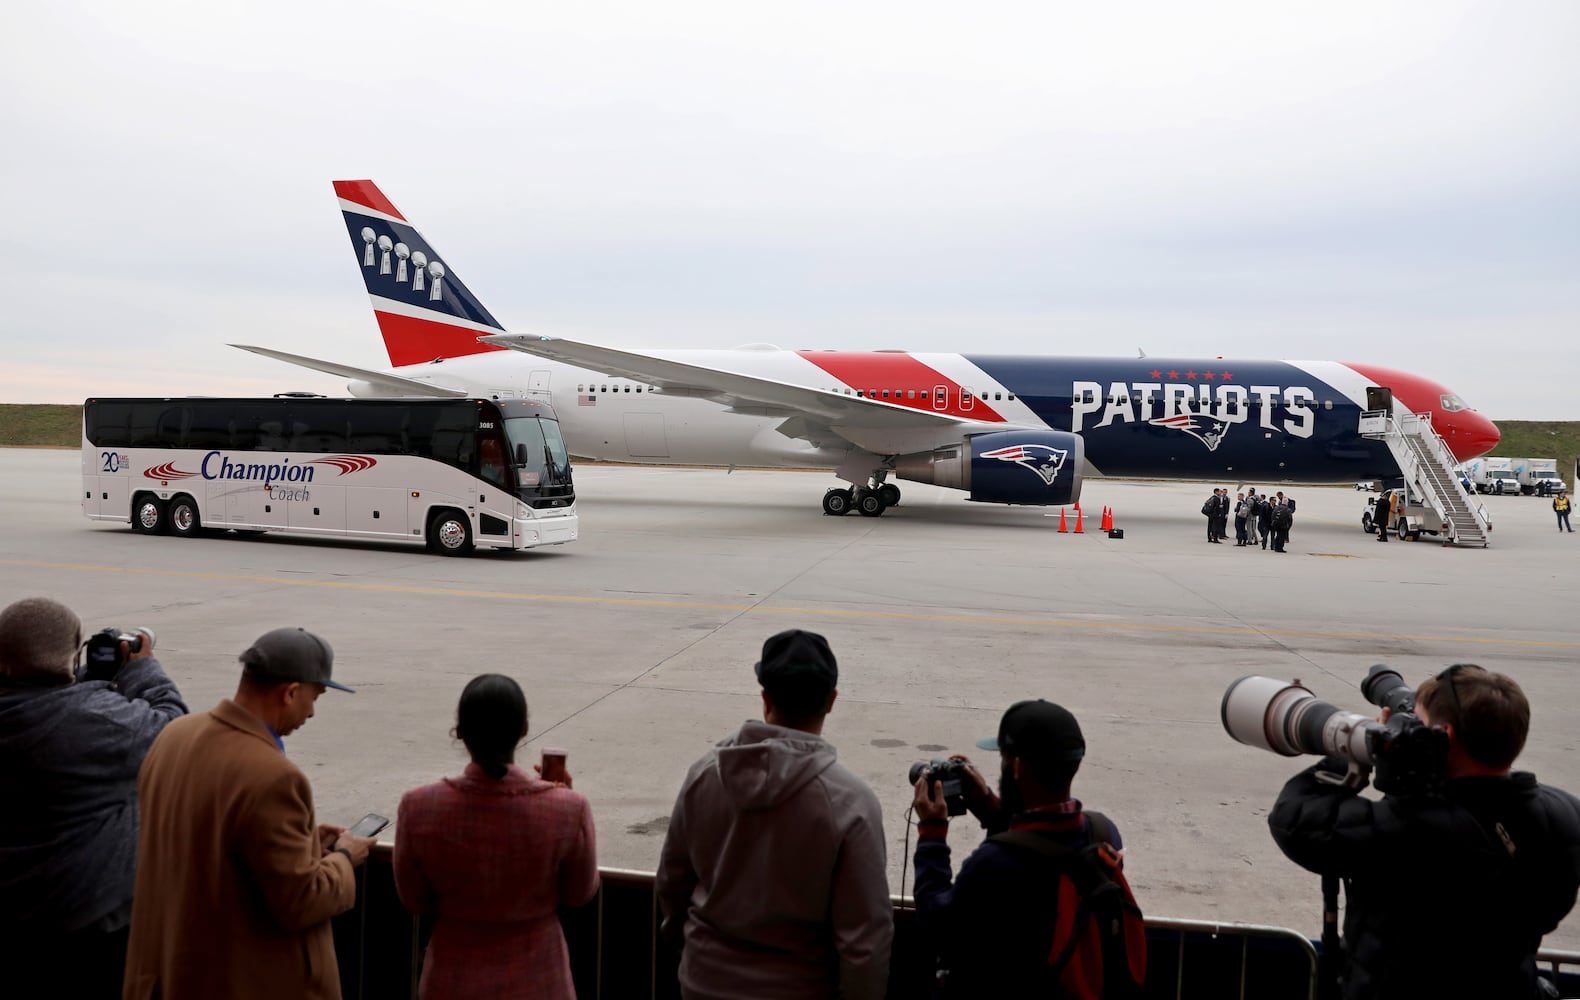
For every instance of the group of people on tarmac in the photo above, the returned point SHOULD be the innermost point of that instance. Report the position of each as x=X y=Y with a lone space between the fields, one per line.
x=1255 y=516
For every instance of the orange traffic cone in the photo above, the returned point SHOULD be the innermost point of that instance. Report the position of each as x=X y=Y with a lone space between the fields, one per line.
x=1062 y=528
x=1108 y=519
x=1078 y=529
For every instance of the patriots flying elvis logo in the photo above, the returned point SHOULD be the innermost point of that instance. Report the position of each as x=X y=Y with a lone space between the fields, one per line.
x=1208 y=430
x=1039 y=458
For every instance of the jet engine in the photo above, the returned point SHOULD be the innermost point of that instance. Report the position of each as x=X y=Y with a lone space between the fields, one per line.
x=1017 y=467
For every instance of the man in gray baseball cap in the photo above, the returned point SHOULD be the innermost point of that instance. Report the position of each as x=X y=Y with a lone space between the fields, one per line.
x=230 y=864
x=291 y=654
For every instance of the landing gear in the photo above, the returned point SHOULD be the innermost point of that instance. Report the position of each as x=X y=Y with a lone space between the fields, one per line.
x=838 y=502
x=870 y=500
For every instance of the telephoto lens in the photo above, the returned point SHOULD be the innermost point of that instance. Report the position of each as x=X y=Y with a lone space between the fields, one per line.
x=1286 y=718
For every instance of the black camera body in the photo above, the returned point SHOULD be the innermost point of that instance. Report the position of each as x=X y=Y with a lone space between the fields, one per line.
x=102 y=656
x=951 y=774
x=1411 y=757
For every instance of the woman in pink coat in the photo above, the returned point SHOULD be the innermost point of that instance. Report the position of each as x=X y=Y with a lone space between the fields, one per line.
x=493 y=855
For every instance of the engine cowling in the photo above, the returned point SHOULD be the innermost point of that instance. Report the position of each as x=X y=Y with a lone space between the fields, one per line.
x=1019 y=467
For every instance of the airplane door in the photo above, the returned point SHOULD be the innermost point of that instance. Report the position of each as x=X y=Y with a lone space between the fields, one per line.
x=538 y=385
x=940 y=397
x=1379 y=398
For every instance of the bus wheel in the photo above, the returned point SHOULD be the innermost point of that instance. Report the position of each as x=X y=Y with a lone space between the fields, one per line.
x=184 y=519
x=450 y=533
x=148 y=515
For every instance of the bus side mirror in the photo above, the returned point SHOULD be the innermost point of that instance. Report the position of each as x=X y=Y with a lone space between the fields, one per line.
x=521 y=454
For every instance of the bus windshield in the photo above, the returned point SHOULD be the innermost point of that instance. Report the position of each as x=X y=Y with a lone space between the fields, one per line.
x=538 y=453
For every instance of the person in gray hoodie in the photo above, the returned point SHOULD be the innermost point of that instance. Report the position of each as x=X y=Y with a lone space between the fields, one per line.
x=773 y=873
x=70 y=748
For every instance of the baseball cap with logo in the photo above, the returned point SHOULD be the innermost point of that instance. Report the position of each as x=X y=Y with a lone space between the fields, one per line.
x=1039 y=730
x=291 y=654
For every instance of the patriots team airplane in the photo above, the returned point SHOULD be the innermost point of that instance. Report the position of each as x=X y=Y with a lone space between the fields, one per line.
x=1012 y=429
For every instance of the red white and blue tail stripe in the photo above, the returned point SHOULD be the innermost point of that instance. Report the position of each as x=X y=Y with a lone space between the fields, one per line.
x=423 y=309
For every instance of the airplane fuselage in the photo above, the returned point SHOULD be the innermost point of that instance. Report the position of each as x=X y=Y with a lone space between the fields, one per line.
x=1218 y=419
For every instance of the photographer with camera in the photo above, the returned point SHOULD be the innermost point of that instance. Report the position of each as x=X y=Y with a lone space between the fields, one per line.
x=1455 y=874
x=71 y=741
x=1032 y=912
x=773 y=866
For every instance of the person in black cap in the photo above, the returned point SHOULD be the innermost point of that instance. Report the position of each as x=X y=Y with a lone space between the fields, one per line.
x=772 y=877
x=991 y=927
x=235 y=883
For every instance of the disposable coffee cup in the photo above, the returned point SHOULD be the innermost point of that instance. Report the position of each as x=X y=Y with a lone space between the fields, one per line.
x=553 y=765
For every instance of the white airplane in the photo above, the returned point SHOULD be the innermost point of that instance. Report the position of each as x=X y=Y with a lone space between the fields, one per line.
x=1015 y=429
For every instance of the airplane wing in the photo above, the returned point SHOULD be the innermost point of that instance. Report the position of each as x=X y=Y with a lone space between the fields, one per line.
x=819 y=416
x=726 y=387
x=394 y=383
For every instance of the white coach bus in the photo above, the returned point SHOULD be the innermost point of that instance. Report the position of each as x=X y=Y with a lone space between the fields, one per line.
x=453 y=473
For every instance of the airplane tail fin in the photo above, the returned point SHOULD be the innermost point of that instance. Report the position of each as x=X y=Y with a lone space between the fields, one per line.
x=423 y=309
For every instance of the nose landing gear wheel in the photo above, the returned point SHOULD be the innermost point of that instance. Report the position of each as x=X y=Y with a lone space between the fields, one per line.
x=836 y=502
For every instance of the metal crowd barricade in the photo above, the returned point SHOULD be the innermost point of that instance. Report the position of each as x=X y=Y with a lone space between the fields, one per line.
x=617 y=954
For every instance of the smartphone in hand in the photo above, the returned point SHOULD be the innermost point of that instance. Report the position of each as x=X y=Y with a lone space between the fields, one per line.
x=553 y=766
x=368 y=825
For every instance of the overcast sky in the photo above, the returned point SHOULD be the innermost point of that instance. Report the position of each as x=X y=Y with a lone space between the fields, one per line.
x=1396 y=183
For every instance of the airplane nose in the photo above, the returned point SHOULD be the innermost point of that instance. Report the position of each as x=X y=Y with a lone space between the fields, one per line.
x=1474 y=435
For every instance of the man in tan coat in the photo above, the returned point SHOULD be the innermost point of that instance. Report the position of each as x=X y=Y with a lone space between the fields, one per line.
x=235 y=884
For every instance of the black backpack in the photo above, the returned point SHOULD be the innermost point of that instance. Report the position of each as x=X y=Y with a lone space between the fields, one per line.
x=1099 y=946
x=1210 y=507
x=1283 y=517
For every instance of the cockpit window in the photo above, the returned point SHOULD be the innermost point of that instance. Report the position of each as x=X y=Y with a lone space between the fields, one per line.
x=1452 y=403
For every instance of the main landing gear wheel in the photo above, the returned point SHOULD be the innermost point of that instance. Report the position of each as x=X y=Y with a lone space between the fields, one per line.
x=836 y=502
x=889 y=494
x=870 y=504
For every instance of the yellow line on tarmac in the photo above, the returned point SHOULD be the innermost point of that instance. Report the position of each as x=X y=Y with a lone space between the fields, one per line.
x=818 y=612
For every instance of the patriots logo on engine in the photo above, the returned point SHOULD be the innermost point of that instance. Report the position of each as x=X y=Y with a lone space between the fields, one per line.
x=1039 y=458
x=1208 y=430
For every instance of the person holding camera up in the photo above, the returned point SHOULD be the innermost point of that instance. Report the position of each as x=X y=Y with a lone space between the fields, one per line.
x=235 y=884
x=773 y=866
x=1033 y=911
x=70 y=744
x=1454 y=876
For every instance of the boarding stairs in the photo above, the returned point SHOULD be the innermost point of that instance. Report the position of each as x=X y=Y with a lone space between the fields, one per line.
x=1428 y=468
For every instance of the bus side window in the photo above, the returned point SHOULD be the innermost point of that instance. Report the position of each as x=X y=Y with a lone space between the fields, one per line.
x=271 y=435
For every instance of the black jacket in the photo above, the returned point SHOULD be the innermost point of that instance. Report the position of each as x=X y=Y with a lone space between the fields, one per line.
x=1446 y=895
x=68 y=797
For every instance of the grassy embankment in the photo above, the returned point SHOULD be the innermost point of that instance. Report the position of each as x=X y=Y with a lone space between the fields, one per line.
x=53 y=426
